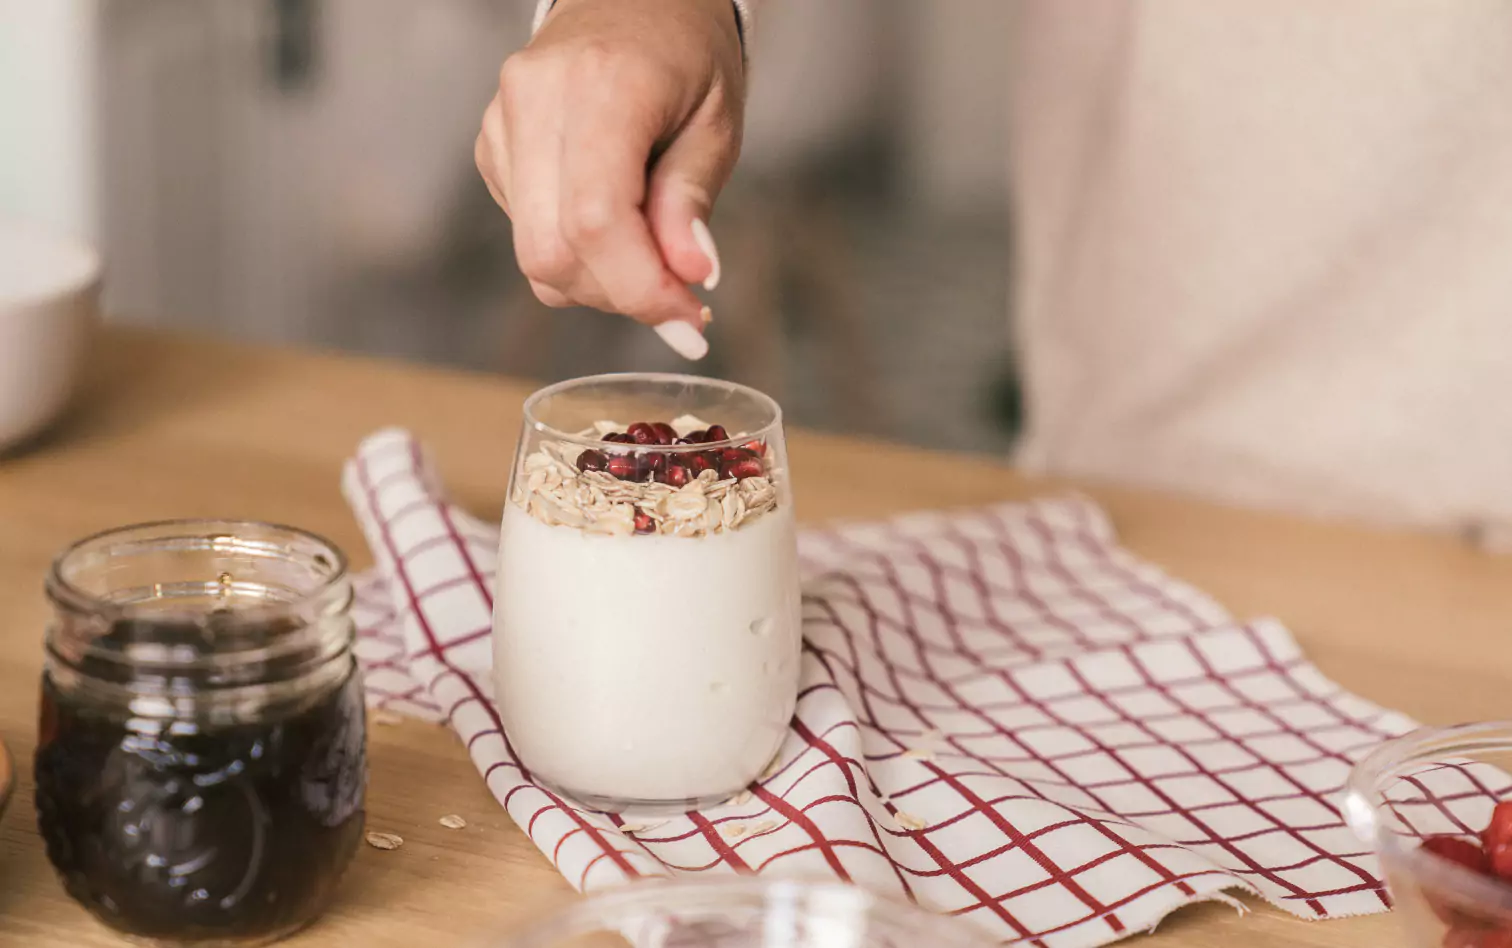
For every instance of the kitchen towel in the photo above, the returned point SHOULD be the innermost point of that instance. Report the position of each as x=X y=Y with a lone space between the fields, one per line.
x=1003 y=716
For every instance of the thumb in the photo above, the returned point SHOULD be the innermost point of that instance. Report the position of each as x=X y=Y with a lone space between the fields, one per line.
x=684 y=183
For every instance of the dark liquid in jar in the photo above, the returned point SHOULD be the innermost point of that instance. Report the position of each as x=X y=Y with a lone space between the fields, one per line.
x=220 y=833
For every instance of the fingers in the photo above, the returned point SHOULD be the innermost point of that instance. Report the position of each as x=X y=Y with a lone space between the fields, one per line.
x=683 y=186
x=491 y=155
x=605 y=151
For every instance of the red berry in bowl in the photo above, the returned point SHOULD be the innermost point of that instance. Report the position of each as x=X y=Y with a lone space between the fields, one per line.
x=642 y=433
x=757 y=448
x=643 y=522
x=664 y=432
x=735 y=454
x=1462 y=851
x=716 y=433
x=700 y=462
x=592 y=460
x=695 y=437
x=624 y=466
x=618 y=437
x=1499 y=831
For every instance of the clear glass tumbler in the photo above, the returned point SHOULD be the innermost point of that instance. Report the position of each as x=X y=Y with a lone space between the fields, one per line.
x=746 y=913
x=646 y=627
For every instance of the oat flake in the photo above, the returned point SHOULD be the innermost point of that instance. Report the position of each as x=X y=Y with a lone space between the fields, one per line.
x=453 y=822
x=385 y=840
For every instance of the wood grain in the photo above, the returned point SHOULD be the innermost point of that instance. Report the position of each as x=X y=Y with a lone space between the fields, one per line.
x=174 y=427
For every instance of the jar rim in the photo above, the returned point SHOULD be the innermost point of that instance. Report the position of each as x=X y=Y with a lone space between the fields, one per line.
x=534 y=423
x=209 y=528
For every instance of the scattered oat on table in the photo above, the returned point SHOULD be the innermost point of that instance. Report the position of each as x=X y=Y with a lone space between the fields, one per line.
x=385 y=840
x=739 y=799
x=919 y=753
x=388 y=719
x=452 y=822
x=765 y=826
x=633 y=828
x=909 y=821
x=733 y=830
x=772 y=768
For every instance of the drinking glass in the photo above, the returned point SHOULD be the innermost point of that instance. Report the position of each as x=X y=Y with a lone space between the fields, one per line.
x=646 y=626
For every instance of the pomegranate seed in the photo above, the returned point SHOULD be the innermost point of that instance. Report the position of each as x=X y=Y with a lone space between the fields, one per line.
x=624 y=467
x=1462 y=851
x=665 y=434
x=757 y=448
x=735 y=454
x=697 y=437
x=675 y=474
x=742 y=468
x=700 y=462
x=716 y=433
x=643 y=522
x=618 y=437
x=651 y=464
x=592 y=460
x=1499 y=831
x=642 y=433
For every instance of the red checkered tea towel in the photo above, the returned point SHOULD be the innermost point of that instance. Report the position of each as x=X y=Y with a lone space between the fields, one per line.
x=1003 y=716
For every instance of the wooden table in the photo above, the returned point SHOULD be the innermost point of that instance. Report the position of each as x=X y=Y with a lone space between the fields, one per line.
x=171 y=427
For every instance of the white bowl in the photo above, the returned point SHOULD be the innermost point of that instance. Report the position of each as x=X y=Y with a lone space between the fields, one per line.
x=49 y=303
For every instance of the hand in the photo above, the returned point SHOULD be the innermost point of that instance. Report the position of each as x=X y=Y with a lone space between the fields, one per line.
x=610 y=137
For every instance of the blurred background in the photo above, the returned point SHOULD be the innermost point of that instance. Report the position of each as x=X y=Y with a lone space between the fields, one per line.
x=300 y=171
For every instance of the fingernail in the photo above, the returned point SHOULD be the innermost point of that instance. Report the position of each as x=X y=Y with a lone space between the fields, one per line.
x=707 y=315
x=705 y=241
x=683 y=339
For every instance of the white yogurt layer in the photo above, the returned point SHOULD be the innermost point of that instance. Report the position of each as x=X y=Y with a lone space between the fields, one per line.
x=647 y=668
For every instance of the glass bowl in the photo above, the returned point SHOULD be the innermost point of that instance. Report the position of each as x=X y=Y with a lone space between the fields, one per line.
x=746 y=913
x=1437 y=782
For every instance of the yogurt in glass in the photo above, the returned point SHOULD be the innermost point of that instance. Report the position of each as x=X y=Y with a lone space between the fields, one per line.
x=646 y=633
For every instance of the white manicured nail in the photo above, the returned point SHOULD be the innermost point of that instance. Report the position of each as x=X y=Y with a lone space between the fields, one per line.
x=705 y=241
x=683 y=339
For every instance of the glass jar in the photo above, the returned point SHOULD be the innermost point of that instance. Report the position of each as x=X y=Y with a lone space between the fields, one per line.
x=646 y=627
x=201 y=762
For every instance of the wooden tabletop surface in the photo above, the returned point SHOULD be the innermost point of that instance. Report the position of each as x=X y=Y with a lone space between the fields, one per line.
x=173 y=427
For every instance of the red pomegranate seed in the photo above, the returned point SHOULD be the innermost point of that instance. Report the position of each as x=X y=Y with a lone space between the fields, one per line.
x=700 y=462
x=665 y=433
x=1462 y=851
x=592 y=460
x=643 y=522
x=1499 y=831
x=624 y=467
x=642 y=433
x=618 y=437
x=757 y=448
x=742 y=468
x=651 y=464
x=716 y=433
x=674 y=475
x=735 y=454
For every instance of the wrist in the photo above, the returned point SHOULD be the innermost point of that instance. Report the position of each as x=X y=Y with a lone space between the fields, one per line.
x=742 y=13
